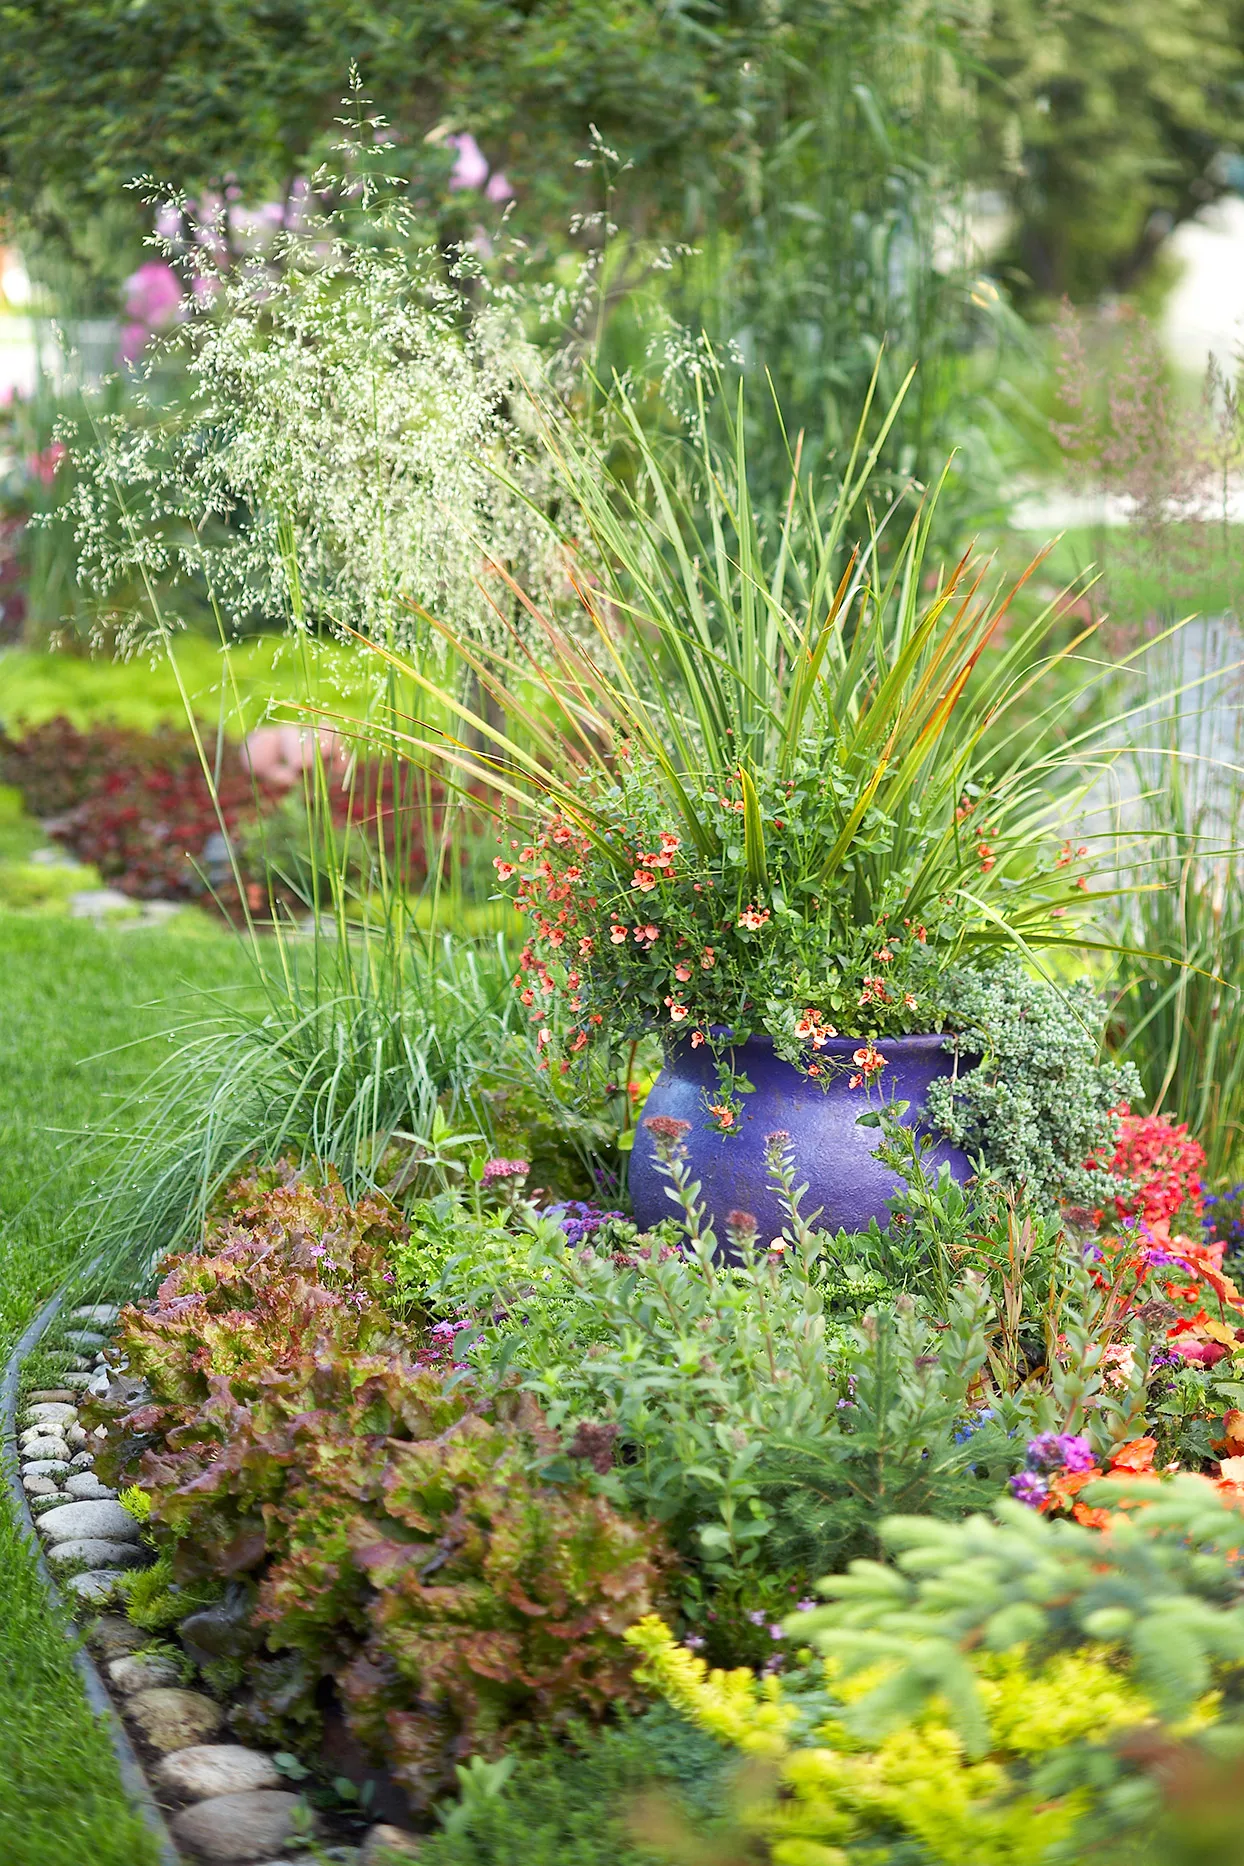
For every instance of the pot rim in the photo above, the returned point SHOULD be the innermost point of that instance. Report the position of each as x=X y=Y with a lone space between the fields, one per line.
x=918 y=1041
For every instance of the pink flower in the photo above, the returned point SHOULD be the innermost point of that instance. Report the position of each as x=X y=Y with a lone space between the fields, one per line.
x=677 y=1011
x=499 y=189
x=753 y=918
x=682 y=973
x=153 y=294
x=617 y=935
x=471 y=168
x=644 y=880
x=504 y=869
x=44 y=465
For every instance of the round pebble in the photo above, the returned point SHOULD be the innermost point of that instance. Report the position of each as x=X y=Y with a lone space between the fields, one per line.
x=45 y=1467
x=112 y=1636
x=382 y=1840
x=35 y=1450
x=52 y=1397
x=93 y=1552
x=170 y=1719
x=100 y=1312
x=231 y=1829
x=143 y=1671
x=82 y=1461
x=52 y=1412
x=85 y=1487
x=208 y=1769
x=74 y=1520
x=94 y=1589
x=37 y=1486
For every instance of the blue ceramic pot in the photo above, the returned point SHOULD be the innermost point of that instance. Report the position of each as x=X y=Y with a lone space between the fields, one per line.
x=832 y=1153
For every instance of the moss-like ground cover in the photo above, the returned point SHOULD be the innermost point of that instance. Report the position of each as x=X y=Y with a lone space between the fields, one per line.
x=68 y=993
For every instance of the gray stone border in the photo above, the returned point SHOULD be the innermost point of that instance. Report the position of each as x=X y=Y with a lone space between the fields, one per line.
x=133 y=1779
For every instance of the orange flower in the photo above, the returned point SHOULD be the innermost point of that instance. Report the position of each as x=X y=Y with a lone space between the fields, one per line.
x=677 y=1011
x=644 y=880
x=504 y=869
x=708 y=959
x=723 y=1116
x=682 y=972
x=617 y=935
x=868 y=1059
x=753 y=918
x=1137 y=1455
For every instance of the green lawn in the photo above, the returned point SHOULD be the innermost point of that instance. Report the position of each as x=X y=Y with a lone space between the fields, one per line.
x=67 y=993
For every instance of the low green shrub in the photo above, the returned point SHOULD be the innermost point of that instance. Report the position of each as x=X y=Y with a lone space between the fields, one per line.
x=732 y=1390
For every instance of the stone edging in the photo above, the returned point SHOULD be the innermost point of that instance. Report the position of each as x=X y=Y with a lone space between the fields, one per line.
x=133 y=1779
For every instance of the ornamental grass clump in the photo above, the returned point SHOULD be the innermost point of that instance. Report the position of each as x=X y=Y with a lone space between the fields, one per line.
x=392 y=1532
x=769 y=781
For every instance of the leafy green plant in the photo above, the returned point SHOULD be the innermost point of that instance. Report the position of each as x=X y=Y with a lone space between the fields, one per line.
x=761 y=1430
x=577 y=1801
x=1036 y=1107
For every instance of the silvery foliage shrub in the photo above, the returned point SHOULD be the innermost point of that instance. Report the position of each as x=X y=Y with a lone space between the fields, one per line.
x=345 y=439
x=1037 y=1105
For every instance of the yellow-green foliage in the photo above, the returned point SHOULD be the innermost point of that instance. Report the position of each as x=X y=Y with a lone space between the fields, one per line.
x=832 y=1788
x=144 y=693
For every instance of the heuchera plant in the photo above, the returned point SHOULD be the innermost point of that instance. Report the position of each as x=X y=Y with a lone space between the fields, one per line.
x=395 y=1534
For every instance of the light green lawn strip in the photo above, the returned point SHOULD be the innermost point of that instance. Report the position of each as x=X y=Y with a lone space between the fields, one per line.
x=66 y=992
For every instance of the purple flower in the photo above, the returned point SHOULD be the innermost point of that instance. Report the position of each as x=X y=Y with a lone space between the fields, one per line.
x=758 y=1617
x=1060 y=1451
x=1030 y=1489
x=776 y=1632
x=694 y=1642
x=806 y=1606
x=499 y=189
x=443 y=1329
x=153 y=294
x=578 y=1219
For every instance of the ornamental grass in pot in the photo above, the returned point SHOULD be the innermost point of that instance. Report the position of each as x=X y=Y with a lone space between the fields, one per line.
x=771 y=791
